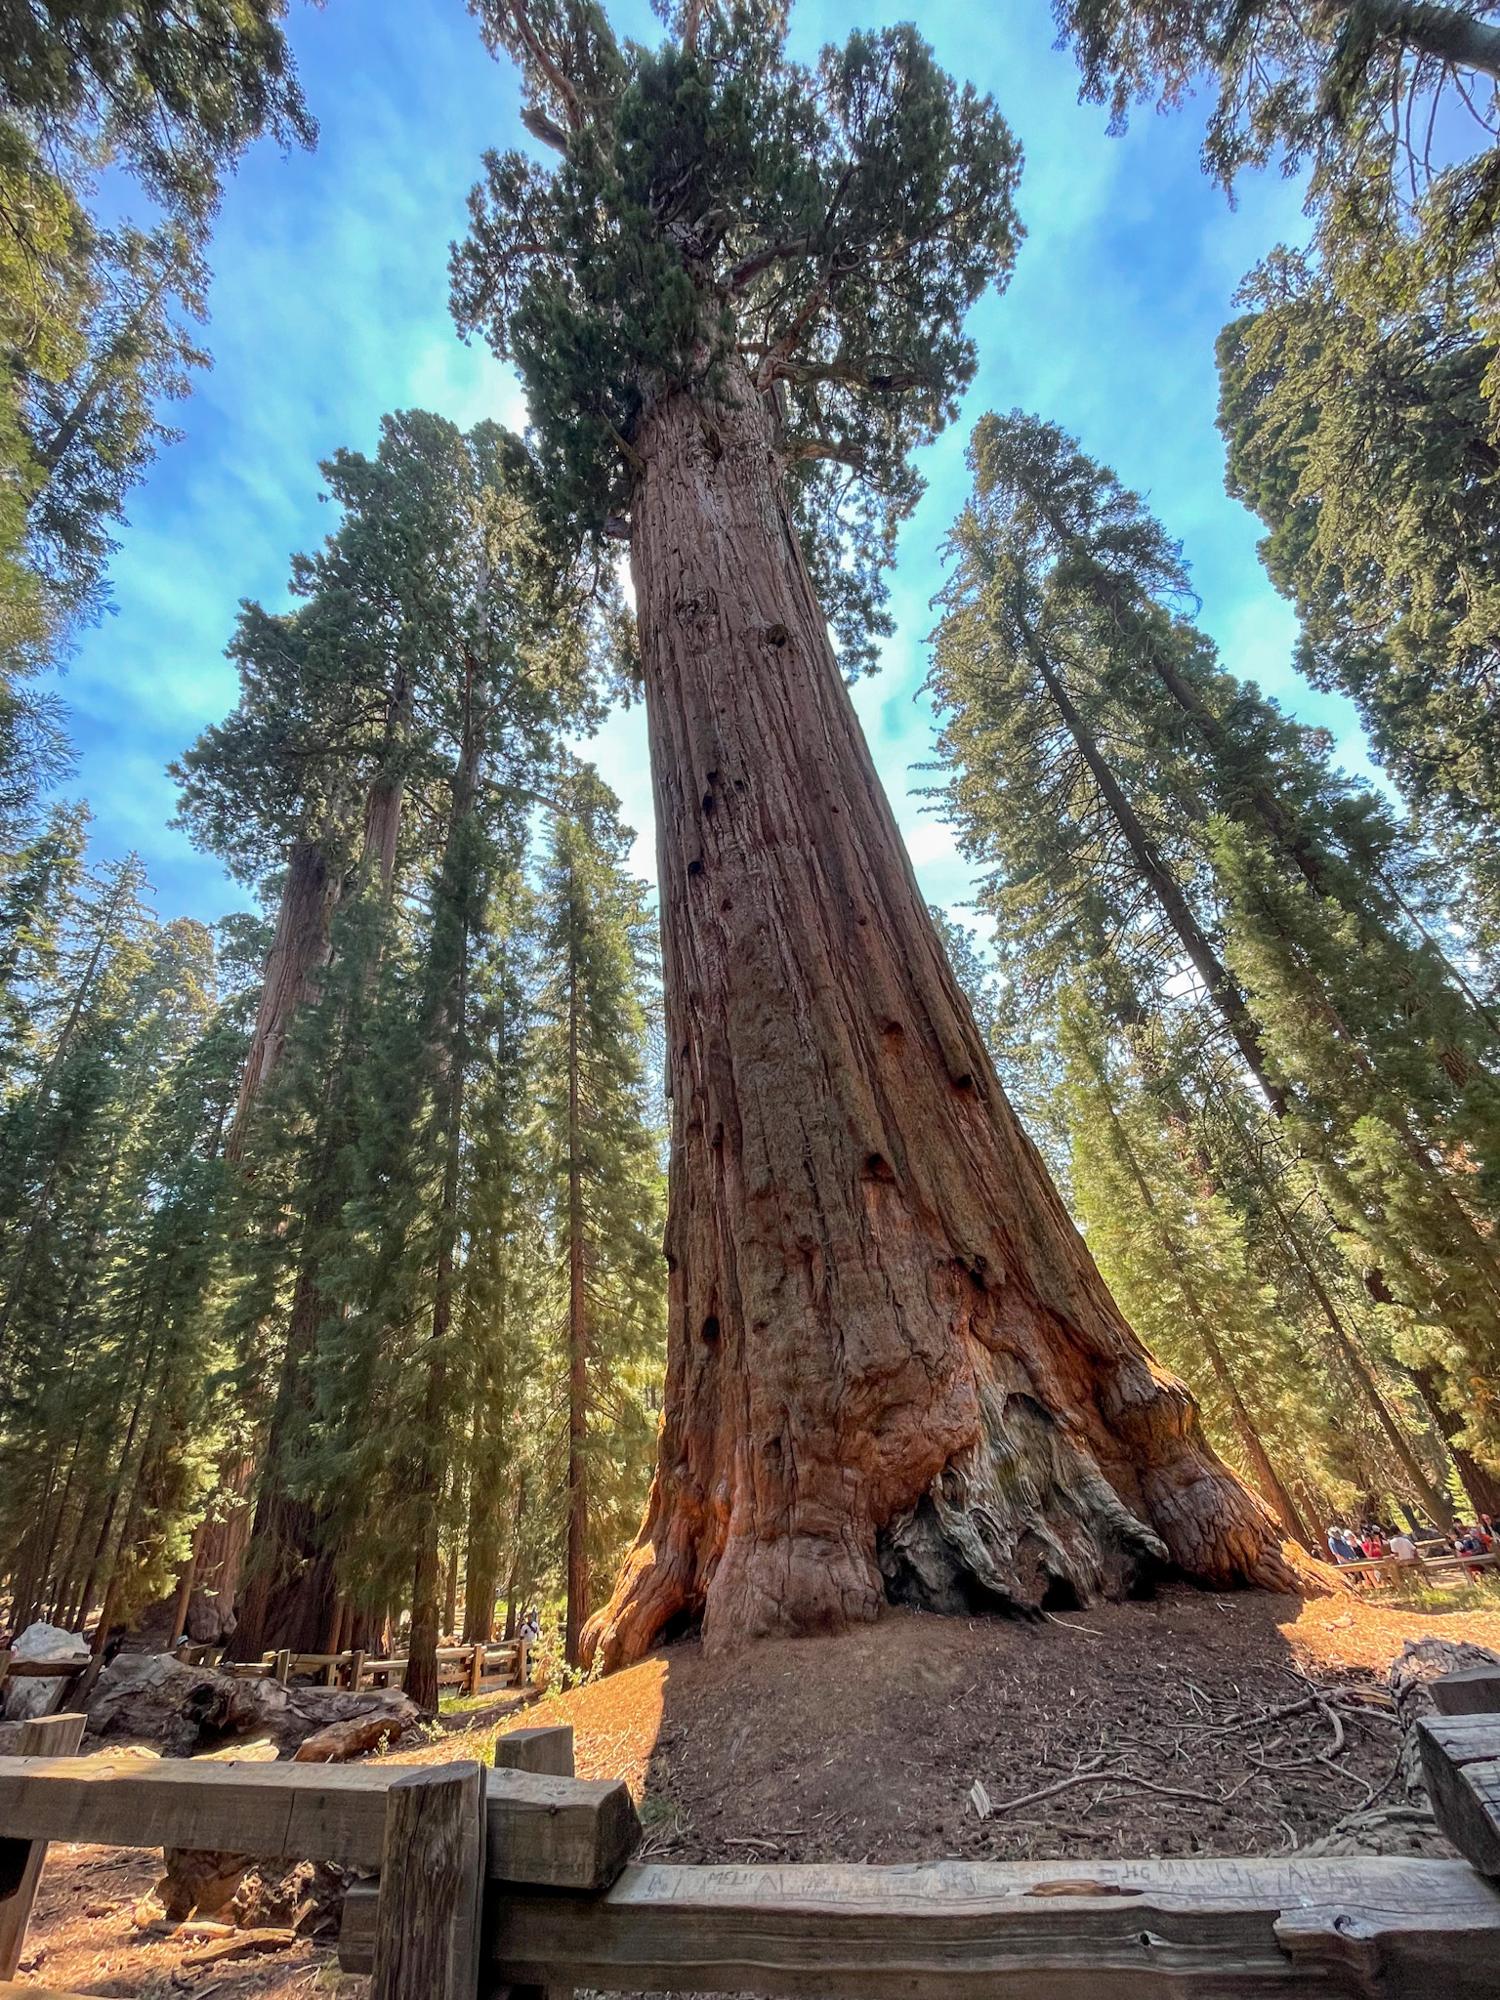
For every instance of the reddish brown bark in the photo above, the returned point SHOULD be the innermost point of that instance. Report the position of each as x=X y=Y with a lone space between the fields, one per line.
x=578 y=1357
x=291 y=1583
x=892 y=1366
x=299 y=951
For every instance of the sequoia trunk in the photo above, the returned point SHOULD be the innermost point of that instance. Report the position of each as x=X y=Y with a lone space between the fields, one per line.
x=299 y=951
x=893 y=1369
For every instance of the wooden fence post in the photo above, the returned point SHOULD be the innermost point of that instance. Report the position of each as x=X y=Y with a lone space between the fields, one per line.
x=431 y=1886
x=282 y=1668
x=520 y=1663
x=356 y=1669
x=476 y=1669
x=547 y=1749
x=550 y=1750
x=21 y=1860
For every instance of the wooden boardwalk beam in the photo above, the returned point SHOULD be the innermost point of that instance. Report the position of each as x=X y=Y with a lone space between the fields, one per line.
x=548 y=1748
x=554 y=1832
x=1148 y=1930
x=1472 y=1691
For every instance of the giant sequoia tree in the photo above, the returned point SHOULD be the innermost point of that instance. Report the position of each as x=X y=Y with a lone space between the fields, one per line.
x=736 y=300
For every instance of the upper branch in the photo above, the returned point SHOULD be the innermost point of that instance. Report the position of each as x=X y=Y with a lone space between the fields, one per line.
x=555 y=75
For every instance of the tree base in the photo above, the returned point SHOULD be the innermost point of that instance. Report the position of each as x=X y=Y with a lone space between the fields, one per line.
x=1020 y=1522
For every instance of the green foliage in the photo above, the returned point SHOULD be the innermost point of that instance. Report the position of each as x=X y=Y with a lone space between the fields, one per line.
x=1159 y=831
x=1344 y=89
x=173 y=93
x=111 y=1175
x=1178 y=1257
x=98 y=321
x=1361 y=432
x=721 y=216
x=596 y=1140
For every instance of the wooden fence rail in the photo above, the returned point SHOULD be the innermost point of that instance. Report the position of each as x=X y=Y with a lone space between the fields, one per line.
x=516 y=1881
x=458 y=1666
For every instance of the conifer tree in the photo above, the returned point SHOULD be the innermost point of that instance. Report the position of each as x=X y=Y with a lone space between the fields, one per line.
x=600 y=1151
x=98 y=318
x=736 y=299
x=1137 y=773
x=110 y=1414
x=1362 y=433
x=1344 y=89
x=456 y=647
x=1176 y=1258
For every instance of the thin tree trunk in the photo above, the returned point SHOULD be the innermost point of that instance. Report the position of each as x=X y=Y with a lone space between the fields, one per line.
x=892 y=1365
x=482 y=1537
x=450 y=1596
x=450 y=1009
x=578 y=1356
x=513 y=1577
x=1272 y=1485
x=1481 y=1486
x=1356 y=1364
x=1159 y=879
x=102 y=1542
x=184 y=1597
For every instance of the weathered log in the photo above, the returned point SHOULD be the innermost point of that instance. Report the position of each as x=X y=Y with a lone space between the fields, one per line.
x=204 y=1880
x=351 y=1738
x=1404 y=1823
x=21 y=1861
x=155 y=1699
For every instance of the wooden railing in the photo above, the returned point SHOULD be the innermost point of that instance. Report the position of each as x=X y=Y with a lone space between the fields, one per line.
x=517 y=1880
x=458 y=1666
x=1390 y=1569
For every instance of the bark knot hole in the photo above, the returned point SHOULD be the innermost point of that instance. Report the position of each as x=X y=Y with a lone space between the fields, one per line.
x=695 y=867
x=878 y=1168
x=711 y=1328
x=777 y=635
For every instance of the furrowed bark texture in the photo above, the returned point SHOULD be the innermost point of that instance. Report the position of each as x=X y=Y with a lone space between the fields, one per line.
x=299 y=952
x=893 y=1369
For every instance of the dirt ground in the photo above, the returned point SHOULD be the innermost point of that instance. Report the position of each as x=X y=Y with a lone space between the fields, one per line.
x=1153 y=1728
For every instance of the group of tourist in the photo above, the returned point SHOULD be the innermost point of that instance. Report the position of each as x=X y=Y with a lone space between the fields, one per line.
x=1374 y=1542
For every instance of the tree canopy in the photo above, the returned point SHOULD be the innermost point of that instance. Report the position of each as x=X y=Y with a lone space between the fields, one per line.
x=713 y=201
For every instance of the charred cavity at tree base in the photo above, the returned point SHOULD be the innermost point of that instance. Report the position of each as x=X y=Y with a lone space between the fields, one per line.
x=1021 y=1523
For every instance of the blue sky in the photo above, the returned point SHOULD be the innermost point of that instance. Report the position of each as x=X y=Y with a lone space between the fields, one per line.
x=329 y=307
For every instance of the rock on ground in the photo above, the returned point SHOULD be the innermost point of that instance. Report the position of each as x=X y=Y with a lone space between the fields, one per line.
x=24 y=1698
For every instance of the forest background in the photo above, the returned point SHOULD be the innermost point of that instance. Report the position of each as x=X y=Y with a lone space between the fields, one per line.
x=396 y=1282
